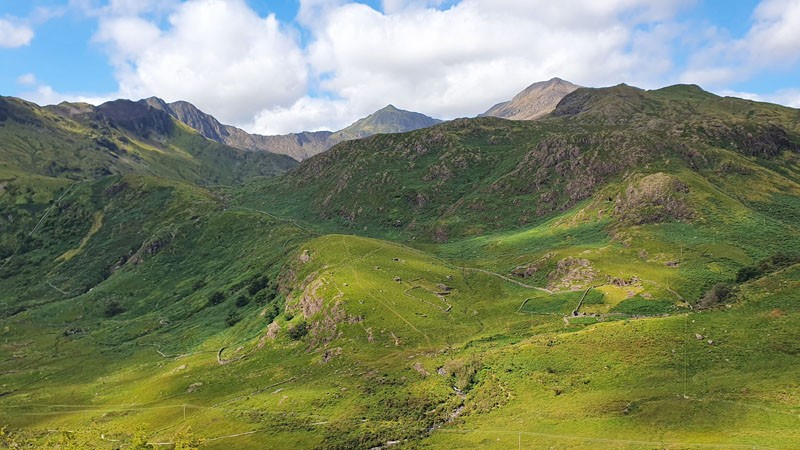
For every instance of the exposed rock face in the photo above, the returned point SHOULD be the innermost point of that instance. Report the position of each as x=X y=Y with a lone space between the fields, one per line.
x=535 y=101
x=572 y=273
x=136 y=117
x=653 y=199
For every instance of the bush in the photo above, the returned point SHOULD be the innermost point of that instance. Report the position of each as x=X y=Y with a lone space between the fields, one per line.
x=113 y=308
x=272 y=312
x=233 y=318
x=197 y=285
x=298 y=331
x=716 y=295
x=774 y=263
x=242 y=301
x=216 y=298
x=258 y=284
x=747 y=273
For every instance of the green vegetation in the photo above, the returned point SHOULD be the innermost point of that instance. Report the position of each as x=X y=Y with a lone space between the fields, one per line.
x=620 y=274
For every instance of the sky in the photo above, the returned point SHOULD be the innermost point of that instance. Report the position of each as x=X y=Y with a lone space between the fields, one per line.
x=279 y=66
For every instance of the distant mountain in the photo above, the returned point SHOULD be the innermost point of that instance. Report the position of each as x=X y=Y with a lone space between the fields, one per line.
x=386 y=120
x=535 y=101
x=299 y=146
x=79 y=141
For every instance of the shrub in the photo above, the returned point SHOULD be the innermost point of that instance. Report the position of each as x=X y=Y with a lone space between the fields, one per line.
x=257 y=285
x=298 y=331
x=233 y=318
x=774 y=263
x=113 y=308
x=716 y=295
x=747 y=273
x=199 y=284
x=216 y=298
x=242 y=301
x=271 y=312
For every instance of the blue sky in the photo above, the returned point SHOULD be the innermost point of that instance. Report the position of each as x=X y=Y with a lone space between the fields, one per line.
x=290 y=65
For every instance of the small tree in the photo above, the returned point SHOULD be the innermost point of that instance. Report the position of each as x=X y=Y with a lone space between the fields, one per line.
x=716 y=295
x=216 y=298
x=233 y=318
x=298 y=331
x=113 y=308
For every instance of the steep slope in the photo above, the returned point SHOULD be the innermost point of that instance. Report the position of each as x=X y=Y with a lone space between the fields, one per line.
x=535 y=101
x=299 y=146
x=469 y=177
x=121 y=137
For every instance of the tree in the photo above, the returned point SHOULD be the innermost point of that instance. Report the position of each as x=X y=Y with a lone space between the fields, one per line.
x=216 y=298
x=298 y=331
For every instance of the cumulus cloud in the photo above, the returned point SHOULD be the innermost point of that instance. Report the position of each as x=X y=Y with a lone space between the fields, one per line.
x=450 y=59
x=772 y=41
x=27 y=79
x=775 y=36
x=44 y=94
x=306 y=114
x=14 y=34
x=787 y=97
x=342 y=60
x=217 y=54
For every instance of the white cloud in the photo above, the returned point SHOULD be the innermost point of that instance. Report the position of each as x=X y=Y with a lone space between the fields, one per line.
x=14 y=34
x=27 y=79
x=43 y=94
x=306 y=114
x=445 y=58
x=773 y=41
x=394 y=6
x=459 y=60
x=786 y=97
x=218 y=54
x=775 y=36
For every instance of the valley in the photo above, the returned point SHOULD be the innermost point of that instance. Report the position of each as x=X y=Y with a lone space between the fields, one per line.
x=620 y=273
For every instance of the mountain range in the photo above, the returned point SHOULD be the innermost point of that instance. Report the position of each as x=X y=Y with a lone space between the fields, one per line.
x=301 y=145
x=619 y=272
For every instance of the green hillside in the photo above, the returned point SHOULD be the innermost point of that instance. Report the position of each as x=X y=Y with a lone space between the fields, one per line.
x=119 y=137
x=621 y=274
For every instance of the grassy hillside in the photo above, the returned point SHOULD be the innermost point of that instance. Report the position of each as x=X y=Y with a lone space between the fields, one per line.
x=472 y=177
x=621 y=274
x=119 y=138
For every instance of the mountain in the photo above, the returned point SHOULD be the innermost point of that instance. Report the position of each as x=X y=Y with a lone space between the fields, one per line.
x=535 y=101
x=621 y=273
x=512 y=175
x=80 y=141
x=299 y=146
x=384 y=121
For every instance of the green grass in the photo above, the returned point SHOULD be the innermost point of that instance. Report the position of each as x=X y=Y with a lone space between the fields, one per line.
x=436 y=280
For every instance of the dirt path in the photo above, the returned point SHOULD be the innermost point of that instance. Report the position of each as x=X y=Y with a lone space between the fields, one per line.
x=276 y=218
x=503 y=277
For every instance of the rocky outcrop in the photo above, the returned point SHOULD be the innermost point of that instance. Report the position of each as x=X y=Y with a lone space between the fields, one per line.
x=655 y=198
